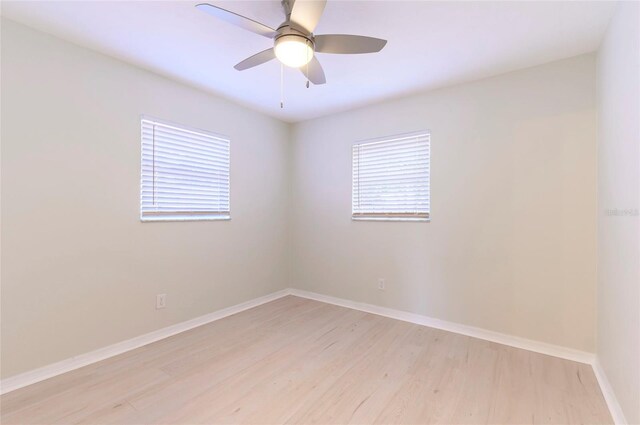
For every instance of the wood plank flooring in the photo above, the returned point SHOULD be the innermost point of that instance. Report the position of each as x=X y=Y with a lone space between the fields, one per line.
x=295 y=361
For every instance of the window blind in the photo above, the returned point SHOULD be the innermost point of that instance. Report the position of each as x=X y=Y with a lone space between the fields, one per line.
x=391 y=178
x=185 y=173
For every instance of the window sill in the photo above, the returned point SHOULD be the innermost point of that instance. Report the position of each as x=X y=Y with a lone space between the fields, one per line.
x=185 y=218
x=405 y=219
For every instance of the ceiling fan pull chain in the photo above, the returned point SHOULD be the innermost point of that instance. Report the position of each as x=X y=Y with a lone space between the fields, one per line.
x=281 y=86
x=307 y=65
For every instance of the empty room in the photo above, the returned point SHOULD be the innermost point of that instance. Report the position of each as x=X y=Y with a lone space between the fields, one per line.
x=320 y=212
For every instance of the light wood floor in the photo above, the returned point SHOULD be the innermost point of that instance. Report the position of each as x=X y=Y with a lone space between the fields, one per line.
x=299 y=361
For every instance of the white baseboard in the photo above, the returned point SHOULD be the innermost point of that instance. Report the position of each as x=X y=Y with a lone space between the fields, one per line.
x=500 y=338
x=31 y=377
x=49 y=371
x=609 y=395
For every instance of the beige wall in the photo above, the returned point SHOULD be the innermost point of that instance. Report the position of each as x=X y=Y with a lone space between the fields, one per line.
x=79 y=269
x=618 y=193
x=512 y=242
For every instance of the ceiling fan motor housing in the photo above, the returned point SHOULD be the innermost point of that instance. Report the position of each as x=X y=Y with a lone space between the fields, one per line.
x=288 y=29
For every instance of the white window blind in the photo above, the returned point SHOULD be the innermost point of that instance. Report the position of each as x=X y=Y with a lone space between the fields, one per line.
x=185 y=173
x=391 y=178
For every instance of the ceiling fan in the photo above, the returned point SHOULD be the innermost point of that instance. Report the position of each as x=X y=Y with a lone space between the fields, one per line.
x=295 y=44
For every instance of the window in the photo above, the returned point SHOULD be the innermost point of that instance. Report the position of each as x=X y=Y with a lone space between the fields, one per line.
x=185 y=173
x=391 y=178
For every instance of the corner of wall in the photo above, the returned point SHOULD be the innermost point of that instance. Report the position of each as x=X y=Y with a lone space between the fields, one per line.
x=618 y=224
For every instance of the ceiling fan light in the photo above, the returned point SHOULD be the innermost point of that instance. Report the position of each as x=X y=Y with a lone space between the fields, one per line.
x=293 y=50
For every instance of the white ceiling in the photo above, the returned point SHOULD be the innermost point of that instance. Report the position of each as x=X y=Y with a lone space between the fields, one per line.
x=431 y=44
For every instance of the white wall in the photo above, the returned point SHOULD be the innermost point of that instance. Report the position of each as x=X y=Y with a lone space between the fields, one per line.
x=618 y=204
x=512 y=242
x=79 y=269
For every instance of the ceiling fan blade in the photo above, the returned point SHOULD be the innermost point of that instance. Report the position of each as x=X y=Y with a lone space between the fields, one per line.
x=237 y=20
x=315 y=72
x=307 y=13
x=255 y=60
x=348 y=44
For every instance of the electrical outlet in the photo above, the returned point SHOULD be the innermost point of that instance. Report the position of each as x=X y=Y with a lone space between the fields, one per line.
x=161 y=301
x=381 y=284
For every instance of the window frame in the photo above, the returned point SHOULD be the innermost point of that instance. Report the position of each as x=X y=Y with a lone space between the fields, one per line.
x=388 y=217
x=180 y=216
